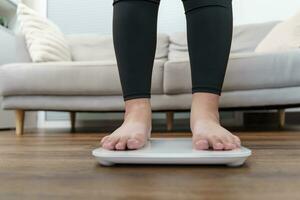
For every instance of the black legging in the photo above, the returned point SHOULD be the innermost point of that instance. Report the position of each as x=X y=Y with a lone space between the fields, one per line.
x=209 y=35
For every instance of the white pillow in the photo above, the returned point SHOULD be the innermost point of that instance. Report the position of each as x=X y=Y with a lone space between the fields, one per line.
x=45 y=42
x=284 y=36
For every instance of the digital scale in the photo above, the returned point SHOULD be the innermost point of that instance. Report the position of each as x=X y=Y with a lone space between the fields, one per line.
x=176 y=151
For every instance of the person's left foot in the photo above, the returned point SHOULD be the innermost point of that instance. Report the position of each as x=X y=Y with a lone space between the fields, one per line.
x=208 y=133
x=206 y=129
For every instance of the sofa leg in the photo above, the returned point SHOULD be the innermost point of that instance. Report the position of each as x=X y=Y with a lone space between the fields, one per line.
x=20 y=117
x=170 y=120
x=73 y=120
x=281 y=118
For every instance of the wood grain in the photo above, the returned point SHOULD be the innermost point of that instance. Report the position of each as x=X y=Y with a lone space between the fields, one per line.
x=52 y=165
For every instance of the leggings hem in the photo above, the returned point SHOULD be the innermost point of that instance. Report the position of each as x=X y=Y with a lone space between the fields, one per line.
x=207 y=90
x=136 y=96
x=151 y=1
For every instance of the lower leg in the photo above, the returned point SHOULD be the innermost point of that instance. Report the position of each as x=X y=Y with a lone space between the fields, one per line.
x=209 y=32
x=134 y=35
x=134 y=38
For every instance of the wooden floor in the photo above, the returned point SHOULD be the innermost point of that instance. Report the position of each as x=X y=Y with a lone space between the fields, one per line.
x=58 y=165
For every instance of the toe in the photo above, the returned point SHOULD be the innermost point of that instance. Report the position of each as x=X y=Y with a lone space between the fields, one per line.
x=114 y=141
x=103 y=140
x=218 y=146
x=136 y=142
x=199 y=142
x=216 y=143
x=237 y=141
x=229 y=146
x=110 y=143
x=229 y=143
x=107 y=145
x=121 y=145
x=133 y=143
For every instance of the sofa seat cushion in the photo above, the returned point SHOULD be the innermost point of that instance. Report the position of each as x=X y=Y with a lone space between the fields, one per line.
x=245 y=71
x=68 y=78
x=159 y=102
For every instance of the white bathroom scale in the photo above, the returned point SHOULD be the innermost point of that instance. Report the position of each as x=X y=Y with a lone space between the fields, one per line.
x=177 y=151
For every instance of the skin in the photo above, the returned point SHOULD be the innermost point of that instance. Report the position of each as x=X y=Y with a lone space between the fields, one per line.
x=135 y=129
x=204 y=123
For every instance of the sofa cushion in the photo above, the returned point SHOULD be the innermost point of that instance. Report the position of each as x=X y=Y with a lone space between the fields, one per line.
x=284 y=36
x=245 y=39
x=245 y=71
x=91 y=47
x=45 y=41
x=68 y=78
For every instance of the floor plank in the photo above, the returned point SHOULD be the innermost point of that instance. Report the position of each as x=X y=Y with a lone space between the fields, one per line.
x=59 y=165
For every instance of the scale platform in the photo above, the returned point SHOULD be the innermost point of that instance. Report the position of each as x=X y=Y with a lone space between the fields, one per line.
x=177 y=151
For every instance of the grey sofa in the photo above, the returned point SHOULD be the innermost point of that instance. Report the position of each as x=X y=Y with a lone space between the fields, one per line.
x=91 y=81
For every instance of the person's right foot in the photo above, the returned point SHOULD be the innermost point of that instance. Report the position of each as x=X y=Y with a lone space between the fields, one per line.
x=136 y=128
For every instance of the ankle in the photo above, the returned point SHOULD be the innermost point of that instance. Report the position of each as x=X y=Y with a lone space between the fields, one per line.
x=204 y=118
x=138 y=110
x=139 y=104
x=205 y=106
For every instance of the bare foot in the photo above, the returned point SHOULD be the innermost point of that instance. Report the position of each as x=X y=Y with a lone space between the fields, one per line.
x=136 y=128
x=205 y=125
